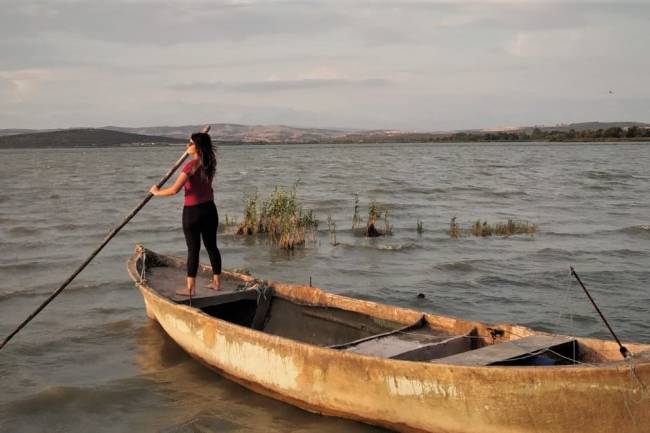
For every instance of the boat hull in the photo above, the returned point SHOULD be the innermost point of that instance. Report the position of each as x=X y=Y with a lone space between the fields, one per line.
x=410 y=396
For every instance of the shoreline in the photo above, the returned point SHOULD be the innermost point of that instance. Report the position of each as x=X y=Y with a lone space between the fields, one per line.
x=279 y=143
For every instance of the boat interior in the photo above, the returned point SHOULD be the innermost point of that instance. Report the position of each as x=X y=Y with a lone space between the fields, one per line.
x=366 y=335
x=255 y=305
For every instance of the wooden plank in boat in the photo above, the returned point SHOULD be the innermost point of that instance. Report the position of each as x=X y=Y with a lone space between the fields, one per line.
x=446 y=347
x=413 y=346
x=167 y=280
x=415 y=342
x=220 y=298
x=503 y=352
x=386 y=347
x=417 y=325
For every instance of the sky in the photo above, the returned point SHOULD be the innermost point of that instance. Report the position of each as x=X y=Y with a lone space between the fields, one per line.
x=407 y=65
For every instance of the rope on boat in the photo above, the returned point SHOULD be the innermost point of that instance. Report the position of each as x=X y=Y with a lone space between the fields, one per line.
x=260 y=286
x=640 y=385
x=568 y=302
x=260 y=293
x=142 y=257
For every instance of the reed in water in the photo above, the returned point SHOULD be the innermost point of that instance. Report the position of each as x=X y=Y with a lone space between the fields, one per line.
x=226 y=224
x=484 y=229
x=281 y=216
x=374 y=213
x=356 y=219
x=331 y=227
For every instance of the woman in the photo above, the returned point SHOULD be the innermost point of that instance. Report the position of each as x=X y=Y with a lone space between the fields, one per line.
x=200 y=217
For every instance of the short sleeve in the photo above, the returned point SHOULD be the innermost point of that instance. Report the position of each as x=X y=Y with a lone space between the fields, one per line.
x=188 y=168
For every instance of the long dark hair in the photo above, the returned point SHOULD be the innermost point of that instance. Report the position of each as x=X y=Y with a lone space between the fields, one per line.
x=206 y=164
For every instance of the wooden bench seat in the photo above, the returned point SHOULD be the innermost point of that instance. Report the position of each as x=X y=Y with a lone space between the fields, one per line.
x=218 y=298
x=416 y=342
x=411 y=347
x=525 y=347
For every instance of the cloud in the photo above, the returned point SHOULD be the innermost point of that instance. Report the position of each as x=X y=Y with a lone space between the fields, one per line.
x=164 y=22
x=23 y=84
x=334 y=62
x=540 y=45
x=281 y=85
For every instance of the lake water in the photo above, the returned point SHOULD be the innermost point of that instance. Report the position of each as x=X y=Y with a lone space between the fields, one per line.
x=92 y=361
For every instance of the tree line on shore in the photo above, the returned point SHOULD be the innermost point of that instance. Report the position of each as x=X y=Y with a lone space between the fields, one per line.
x=616 y=133
x=613 y=133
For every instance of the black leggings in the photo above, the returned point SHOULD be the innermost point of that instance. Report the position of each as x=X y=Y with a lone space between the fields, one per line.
x=201 y=221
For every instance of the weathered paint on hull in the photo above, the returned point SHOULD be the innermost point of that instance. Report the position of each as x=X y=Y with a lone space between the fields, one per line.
x=410 y=396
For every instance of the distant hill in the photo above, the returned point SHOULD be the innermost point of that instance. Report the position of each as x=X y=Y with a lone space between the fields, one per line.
x=231 y=132
x=265 y=134
x=19 y=131
x=81 y=138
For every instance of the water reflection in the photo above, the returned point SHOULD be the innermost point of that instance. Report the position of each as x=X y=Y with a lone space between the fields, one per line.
x=201 y=400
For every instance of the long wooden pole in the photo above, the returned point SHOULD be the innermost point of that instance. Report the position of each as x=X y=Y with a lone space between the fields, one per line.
x=98 y=249
x=622 y=348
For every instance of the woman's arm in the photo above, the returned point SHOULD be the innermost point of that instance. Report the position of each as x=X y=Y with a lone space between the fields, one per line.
x=180 y=181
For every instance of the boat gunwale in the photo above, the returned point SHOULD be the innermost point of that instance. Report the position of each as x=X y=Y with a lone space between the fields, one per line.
x=640 y=359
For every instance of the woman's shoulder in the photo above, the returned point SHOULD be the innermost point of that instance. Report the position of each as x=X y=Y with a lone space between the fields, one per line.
x=189 y=167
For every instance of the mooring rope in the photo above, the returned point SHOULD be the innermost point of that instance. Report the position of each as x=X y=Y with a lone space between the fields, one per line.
x=568 y=302
x=635 y=377
x=641 y=388
x=259 y=286
x=142 y=256
x=261 y=292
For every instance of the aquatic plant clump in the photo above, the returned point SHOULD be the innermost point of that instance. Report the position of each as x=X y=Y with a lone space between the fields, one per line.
x=371 y=230
x=226 y=224
x=484 y=229
x=331 y=227
x=249 y=225
x=454 y=229
x=479 y=229
x=512 y=227
x=280 y=216
x=356 y=219
x=388 y=228
x=371 y=226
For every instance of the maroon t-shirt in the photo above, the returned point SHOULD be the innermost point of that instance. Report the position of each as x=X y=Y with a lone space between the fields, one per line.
x=197 y=190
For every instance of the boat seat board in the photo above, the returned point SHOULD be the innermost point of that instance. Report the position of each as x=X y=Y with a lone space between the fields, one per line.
x=414 y=326
x=503 y=352
x=416 y=345
x=415 y=342
x=168 y=279
x=439 y=349
x=221 y=298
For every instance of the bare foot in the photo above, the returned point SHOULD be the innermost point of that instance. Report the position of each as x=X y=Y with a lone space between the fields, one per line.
x=186 y=292
x=213 y=286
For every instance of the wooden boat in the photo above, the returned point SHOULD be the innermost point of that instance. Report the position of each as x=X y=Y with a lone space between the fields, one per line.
x=394 y=367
